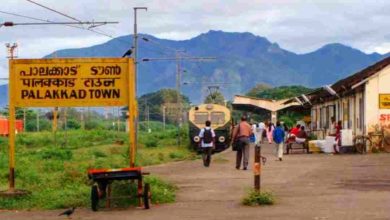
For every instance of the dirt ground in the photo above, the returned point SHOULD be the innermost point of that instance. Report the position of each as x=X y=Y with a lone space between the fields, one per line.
x=306 y=186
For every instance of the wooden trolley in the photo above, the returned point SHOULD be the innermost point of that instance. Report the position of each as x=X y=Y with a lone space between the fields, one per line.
x=103 y=178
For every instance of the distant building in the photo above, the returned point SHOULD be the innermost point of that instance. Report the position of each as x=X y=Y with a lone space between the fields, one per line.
x=361 y=101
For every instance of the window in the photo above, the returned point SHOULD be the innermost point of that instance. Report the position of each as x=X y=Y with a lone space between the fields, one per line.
x=346 y=114
x=351 y=105
x=331 y=113
x=201 y=117
x=323 y=118
x=217 y=117
x=361 y=113
x=314 y=119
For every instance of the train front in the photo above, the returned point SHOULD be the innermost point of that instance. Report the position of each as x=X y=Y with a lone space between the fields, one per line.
x=220 y=118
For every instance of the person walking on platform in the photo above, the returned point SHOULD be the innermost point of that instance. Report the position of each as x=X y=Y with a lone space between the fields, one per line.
x=241 y=133
x=278 y=136
x=270 y=131
x=207 y=136
x=258 y=129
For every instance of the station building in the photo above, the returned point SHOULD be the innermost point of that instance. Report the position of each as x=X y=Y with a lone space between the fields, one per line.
x=360 y=101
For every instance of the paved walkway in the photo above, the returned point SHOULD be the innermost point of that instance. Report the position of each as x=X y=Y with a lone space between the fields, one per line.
x=307 y=186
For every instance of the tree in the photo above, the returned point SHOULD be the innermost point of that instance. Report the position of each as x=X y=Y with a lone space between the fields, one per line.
x=259 y=88
x=215 y=98
x=277 y=93
x=155 y=102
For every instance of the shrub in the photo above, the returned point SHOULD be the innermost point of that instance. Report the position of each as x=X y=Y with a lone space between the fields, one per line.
x=151 y=142
x=176 y=155
x=99 y=154
x=258 y=198
x=73 y=124
x=94 y=124
x=61 y=154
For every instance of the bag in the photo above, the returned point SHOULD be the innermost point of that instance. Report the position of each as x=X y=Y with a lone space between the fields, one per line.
x=237 y=145
x=207 y=136
x=252 y=138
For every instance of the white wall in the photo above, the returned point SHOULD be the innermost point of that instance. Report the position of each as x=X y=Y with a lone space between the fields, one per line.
x=380 y=84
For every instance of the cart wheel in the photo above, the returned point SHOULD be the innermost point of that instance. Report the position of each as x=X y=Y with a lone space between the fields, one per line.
x=94 y=198
x=146 y=195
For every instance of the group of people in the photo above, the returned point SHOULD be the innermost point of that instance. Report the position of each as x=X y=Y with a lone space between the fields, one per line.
x=297 y=134
x=244 y=135
x=262 y=131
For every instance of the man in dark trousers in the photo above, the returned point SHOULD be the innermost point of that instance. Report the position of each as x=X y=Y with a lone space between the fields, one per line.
x=207 y=137
x=241 y=133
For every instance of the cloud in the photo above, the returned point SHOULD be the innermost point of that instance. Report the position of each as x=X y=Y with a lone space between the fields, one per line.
x=298 y=25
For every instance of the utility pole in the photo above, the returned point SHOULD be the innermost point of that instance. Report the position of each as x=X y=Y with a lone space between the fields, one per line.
x=66 y=126
x=178 y=98
x=147 y=115
x=135 y=50
x=82 y=118
x=118 y=118
x=179 y=58
x=11 y=49
x=164 y=109
x=24 y=119
x=113 y=118
x=148 y=118
x=38 y=120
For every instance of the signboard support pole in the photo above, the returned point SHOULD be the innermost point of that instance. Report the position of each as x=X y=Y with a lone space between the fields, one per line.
x=11 y=132
x=11 y=142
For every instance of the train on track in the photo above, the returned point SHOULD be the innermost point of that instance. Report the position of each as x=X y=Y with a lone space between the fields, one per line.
x=220 y=117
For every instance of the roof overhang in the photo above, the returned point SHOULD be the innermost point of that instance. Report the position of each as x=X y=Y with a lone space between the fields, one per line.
x=252 y=104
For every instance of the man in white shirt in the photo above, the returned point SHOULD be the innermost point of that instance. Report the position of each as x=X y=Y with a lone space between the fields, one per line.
x=207 y=137
x=258 y=129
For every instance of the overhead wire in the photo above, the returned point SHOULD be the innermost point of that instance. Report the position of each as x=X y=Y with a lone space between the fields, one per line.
x=164 y=52
x=73 y=18
x=49 y=21
x=74 y=26
x=159 y=44
x=63 y=14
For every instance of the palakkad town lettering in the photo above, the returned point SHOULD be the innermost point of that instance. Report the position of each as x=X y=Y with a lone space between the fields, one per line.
x=95 y=87
x=71 y=94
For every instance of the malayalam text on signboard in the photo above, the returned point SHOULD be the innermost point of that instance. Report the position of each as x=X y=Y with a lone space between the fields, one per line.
x=70 y=82
x=384 y=101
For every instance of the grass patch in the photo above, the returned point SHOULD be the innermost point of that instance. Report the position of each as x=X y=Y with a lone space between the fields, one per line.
x=54 y=170
x=254 y=198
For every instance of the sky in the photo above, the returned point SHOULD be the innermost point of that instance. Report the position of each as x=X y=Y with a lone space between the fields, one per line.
x=300 y=26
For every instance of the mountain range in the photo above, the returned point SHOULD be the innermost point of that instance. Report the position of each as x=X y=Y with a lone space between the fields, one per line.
x=242 y=61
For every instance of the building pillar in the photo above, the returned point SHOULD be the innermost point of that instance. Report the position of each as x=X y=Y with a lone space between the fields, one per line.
x=274 y=116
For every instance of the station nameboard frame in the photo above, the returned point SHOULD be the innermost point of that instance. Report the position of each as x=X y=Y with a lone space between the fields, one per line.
x=34 y=83
x=70 y=82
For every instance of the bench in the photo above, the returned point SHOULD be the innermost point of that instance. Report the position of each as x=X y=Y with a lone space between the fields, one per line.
x=291 y=144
